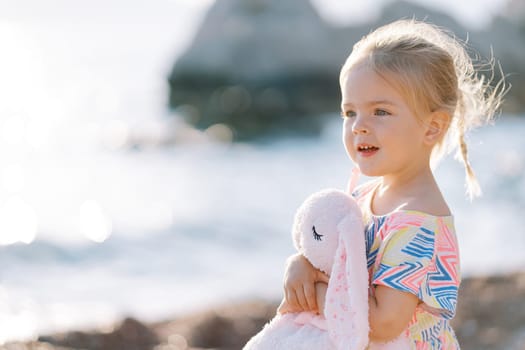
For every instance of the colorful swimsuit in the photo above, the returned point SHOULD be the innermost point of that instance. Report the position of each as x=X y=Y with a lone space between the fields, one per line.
x=418 y=253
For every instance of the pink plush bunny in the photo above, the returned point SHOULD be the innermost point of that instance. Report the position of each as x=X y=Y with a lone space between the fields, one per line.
x=328 y=231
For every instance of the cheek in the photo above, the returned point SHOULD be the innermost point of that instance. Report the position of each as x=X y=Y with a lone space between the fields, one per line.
x=348 y=139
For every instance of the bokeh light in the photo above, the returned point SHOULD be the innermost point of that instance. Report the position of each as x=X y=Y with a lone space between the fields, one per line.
x=18 y=221
x=220 y=132
x=115 y=134
x=94 y=223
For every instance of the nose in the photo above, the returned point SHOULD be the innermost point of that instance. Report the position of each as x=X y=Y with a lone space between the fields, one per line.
x=359 y=127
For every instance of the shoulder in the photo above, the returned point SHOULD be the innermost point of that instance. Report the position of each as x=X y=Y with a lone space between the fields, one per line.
x=407 y=225
x=406 y=228
x=411 y=223
x=414 y=219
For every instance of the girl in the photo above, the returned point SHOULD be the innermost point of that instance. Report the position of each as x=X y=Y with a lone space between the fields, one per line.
x=409 y=95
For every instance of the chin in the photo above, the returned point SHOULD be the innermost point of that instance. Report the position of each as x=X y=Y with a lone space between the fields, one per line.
x=371 y=172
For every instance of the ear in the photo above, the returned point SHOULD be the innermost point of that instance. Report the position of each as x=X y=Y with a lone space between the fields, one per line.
x=437 y=126
x=346 y=307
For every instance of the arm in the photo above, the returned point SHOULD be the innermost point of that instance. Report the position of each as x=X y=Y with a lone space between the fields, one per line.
x=299 y=285
x=390 y=311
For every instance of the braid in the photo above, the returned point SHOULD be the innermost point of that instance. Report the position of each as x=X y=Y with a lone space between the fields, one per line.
x=478 y=102
x=472 y=184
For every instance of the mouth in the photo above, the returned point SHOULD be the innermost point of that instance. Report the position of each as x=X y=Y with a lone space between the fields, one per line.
x=366 y=150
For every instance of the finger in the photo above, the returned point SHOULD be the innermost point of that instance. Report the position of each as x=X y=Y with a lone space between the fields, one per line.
x=292 y=302
x=301 y=299
x=322 y=277
x=311 y=298
x=283 y=307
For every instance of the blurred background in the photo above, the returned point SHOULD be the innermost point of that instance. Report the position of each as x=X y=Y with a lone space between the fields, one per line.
x=152 y=154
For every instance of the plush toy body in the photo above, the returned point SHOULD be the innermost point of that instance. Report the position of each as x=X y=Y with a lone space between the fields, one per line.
x=328 y=231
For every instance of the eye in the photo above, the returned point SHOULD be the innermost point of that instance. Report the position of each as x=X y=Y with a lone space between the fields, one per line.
x=381 y=112
x=317 y=236
x=348 y=114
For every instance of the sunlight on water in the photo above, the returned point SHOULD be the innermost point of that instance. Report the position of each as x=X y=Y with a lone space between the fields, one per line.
x=18 y=221
x=115 y=134
x=94 y=223
x=20 y=63
x=17 y=319
x=38 y=134
x=13 y=132
x=13 y=178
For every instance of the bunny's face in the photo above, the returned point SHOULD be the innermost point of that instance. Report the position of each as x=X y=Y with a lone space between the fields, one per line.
x=316 y=226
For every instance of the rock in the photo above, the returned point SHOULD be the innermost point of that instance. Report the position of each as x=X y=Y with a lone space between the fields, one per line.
x=266 y=67
x=132 y=335
x=259 y=66
x=34 y=345
x=491 y=313
x=226 y=327
x=129 y=335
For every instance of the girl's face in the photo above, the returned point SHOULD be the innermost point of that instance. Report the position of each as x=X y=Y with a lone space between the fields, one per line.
x=381 y=133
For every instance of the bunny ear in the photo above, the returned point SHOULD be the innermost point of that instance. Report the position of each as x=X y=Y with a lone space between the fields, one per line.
x=347 y=294
x=354 y=177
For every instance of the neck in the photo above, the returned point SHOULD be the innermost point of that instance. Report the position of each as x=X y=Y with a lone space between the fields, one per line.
x=400 y=191
x=415 y=193
x=403 y=182
x=409 y=177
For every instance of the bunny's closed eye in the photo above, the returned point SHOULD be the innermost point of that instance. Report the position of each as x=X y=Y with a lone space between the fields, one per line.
x=317 y=236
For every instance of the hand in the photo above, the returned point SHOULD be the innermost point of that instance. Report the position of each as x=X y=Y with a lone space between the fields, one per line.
x=320 y=293
x=299 y=285
x=284 y=308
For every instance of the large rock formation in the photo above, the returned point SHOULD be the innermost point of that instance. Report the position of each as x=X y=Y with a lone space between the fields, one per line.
x=270 y=66
x=259 y=66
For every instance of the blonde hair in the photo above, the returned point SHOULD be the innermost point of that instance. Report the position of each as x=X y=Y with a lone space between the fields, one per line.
x=433 y=70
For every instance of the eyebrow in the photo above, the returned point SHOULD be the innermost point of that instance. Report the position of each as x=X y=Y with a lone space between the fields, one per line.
x=372 y=103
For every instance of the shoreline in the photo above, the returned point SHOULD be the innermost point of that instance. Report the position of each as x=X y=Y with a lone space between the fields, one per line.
x=490 y=315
